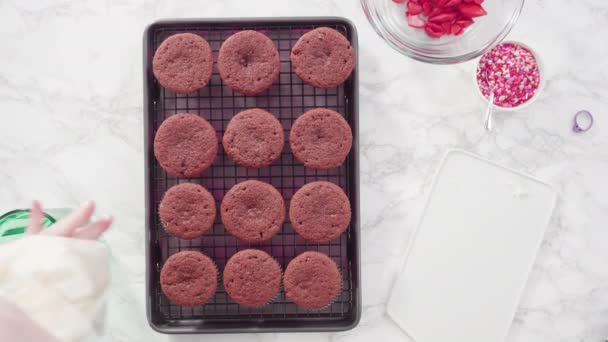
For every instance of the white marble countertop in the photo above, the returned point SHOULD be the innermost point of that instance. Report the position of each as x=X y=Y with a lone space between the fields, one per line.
x=71 y=104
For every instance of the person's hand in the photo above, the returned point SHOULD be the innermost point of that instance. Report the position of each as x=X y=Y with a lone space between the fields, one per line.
x=15 y=324
x=74 y=225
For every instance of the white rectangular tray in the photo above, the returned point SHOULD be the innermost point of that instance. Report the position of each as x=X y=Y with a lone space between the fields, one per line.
x=475 y=245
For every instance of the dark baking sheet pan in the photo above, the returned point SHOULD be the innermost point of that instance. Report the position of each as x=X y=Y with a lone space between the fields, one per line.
x=287 y=98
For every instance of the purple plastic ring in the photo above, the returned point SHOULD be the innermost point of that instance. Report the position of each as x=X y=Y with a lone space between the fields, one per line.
x=577 y=128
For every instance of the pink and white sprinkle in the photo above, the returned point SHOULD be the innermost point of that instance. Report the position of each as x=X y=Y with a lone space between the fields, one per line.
x=512 y=72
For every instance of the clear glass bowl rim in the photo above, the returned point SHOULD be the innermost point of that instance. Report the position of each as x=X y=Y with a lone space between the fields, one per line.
x=414 y=52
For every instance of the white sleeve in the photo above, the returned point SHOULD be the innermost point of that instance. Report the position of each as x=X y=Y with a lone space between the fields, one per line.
x=60 y=283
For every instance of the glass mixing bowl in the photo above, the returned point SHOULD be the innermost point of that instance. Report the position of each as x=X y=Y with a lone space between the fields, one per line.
x=389 y=20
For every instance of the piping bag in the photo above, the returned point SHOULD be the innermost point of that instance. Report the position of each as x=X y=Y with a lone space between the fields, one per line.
x=59 y=283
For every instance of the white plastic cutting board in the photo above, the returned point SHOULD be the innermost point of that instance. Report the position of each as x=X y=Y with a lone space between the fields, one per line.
x=471 y=256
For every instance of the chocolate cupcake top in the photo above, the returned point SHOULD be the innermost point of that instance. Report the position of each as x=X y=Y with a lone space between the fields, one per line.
x=187 y=211
x=253 y=211
x=185 y=145
x=321 y=139
x=183 y=63
x=254 y=138
x=189 y=278
x=312 y=280
x=323 y=58
x=252 y=278
x=320 y=211
x=248 y=62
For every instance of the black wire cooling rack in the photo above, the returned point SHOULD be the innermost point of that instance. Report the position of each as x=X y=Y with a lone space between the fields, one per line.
x=287 y=99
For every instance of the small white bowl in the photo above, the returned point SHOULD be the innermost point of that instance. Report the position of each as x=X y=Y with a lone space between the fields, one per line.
x=541 y=85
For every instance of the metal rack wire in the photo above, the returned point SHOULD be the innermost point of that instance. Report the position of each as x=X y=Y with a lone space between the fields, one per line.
x=287 y=99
